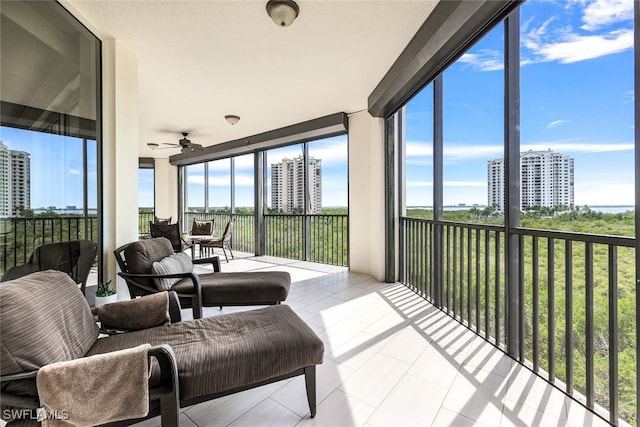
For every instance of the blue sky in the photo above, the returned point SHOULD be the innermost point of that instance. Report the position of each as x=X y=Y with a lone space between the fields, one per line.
x=332 y=151
x=576 y=98
x=56 y=167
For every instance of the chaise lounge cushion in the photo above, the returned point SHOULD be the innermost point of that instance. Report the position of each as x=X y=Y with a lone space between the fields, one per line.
x=55 y=335
x=238 y=288
x=245 y=348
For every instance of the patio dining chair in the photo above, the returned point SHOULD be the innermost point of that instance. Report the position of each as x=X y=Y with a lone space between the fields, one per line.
x=170 y=232
x=200 y=231
x=223 y=242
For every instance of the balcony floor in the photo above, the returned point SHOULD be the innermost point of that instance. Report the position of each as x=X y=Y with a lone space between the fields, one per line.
x=391 y=359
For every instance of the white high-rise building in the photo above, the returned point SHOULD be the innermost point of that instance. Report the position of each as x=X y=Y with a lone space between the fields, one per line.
x=546 y=180
x=287 y=185
x=20 y=181
x=5 y=180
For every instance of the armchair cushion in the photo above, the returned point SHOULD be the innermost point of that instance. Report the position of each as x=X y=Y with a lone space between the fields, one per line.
x=202 y=228
x=141 y=255
x=157 y=220
x=54 y=335
x=127 y=315
x=173 y=264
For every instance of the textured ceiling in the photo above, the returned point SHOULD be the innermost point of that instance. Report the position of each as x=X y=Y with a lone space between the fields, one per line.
x=201 y=60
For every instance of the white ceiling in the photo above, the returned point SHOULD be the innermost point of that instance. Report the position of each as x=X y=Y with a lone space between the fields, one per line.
x=200 y=60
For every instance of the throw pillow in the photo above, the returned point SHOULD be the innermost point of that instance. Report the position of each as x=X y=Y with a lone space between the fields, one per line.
x=172 y=264
x=201 y=228
x=157 y=220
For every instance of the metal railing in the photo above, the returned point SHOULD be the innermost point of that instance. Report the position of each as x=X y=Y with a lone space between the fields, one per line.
x=576 y=301
x=242 y=238
x=315 y=238
x=20 y=236
x=325 y=241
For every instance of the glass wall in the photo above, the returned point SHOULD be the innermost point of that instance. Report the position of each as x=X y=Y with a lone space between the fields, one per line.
x=577 y=174
x=146 y=198
x=328 y=168
x=564 y=303
x=473 y=130
x=577 y=116
x=418 y=155
x=285 y=180
x=49 y=131
x=243 y=181
x=219 y=186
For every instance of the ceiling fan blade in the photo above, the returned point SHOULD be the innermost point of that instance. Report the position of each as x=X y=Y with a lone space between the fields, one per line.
x=157 y=146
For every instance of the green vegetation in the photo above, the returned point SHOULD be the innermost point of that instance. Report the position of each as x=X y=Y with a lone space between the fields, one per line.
x=20 y=236
x=578 y=219
x=548 y=281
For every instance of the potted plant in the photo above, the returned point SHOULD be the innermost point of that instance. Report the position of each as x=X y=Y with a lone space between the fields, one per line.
x=104 y=294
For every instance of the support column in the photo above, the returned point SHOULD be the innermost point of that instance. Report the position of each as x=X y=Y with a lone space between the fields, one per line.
x=366 y=195
x=514 y=284
x=438 y=182
x=260 y=194
x=120 y=152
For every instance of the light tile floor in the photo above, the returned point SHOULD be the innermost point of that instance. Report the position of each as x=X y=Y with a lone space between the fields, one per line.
x=391 y=359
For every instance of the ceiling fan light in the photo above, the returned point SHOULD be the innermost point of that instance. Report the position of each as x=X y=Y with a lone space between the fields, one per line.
x=283 y=12
x=153 y=145
x=232 y=119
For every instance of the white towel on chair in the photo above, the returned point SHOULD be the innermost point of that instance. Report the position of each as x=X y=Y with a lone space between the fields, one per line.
x=95 y=390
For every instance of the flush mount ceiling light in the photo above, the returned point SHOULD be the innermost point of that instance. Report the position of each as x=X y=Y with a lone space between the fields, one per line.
x=283 y=12
x=153 y=145
x=232 y=119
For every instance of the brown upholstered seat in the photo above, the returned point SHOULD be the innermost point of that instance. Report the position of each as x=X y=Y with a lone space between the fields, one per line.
x=75 y=258
x=194 y=361
x=199 y=290
x=242 y=349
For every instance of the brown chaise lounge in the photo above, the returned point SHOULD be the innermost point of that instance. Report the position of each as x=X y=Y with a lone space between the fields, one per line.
x=214 y=289
x=44 y=319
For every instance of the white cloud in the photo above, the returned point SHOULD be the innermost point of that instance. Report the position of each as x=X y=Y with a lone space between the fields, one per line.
x=484 y=60
x=195 y=179
x=600 y=13
x=486 y=152
x=465 y=184
x=419 y=184
x=575 y=48
x=453 y=152
x=553 y=41
x=603 y=193
x=219 y=181
x=577 y=147
x=244 y=180
x=630 y=97
x=330 y=152
x=418 y=149
x=460 y=152
x=74 y=172
x=556 y=123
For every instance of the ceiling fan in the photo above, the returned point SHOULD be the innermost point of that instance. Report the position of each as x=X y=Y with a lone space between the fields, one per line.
x=185 y=144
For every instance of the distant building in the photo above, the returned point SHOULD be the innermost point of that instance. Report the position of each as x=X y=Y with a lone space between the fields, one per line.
x=546 y=180
x=5 y=180
x=288 y=189
x=15 y=181
x=20 y=181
